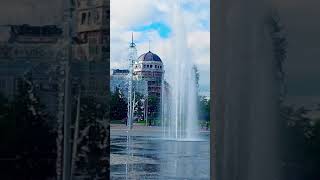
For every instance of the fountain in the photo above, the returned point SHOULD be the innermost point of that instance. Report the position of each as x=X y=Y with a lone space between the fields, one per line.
x=179 y=106
x=132 y=57
x=178 y=153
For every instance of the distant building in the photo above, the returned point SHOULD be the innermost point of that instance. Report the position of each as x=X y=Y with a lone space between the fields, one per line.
x=119 y=80
x=149 y=67
x=147 y=76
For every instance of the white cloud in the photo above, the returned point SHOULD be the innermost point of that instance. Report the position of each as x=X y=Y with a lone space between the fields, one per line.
x=199 y=42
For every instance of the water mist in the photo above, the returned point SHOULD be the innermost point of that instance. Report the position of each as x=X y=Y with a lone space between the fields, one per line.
x=179 y=103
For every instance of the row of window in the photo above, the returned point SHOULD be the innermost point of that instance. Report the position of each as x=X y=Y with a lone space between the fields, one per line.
x=87 y=19
x=151 y=66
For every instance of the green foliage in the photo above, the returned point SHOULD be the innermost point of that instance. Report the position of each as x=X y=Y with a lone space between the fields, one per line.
x=204 y=108
x=301 y=138
x=25 y=131
x=139 y=106
x=7 y=125
x=92 y=156
x=280 y=45
x=153 y=109
x=279 y=39
x=118 y=106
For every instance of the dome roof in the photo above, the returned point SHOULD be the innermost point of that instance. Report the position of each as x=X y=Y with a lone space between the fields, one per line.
x=149 y=56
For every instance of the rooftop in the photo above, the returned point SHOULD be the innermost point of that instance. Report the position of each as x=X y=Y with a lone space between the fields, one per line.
x=120 y=71
x=149 y=56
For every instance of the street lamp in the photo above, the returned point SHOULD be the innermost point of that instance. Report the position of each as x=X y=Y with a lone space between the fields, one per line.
x=144 y=112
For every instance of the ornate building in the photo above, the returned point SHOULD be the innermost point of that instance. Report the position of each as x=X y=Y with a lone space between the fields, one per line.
x=149 y=67
x=147 y=73
x=148 y=76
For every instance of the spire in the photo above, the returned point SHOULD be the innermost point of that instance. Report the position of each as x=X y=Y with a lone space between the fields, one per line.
x=132 y=44
x=149 y=45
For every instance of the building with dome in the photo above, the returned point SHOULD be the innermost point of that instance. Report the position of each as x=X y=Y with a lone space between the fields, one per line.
x=147 y=73
x=149 y=67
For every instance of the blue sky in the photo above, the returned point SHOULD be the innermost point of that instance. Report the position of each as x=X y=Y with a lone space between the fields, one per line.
x=162 y=28
x=151 y=20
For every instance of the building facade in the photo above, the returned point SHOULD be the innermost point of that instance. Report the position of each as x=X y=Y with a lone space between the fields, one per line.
x=149 y=67
x=148 y=73
x=41 y=50
x=120 y=80
x=92 y=30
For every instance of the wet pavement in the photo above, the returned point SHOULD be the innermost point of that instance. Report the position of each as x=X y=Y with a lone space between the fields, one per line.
x=151 y=157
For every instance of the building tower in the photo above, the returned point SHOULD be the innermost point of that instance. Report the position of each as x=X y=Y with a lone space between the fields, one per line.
x=132 y=57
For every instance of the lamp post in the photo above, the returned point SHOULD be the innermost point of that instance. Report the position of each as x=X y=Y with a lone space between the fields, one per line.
x=143 y=107
x=146 y=110
x=66 y=175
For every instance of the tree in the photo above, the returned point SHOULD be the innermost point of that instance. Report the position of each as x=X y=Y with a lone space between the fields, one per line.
x=153 y=108
x=35 y=140
x=301 y=144
x=118 y=106
x=279 y=44
x=7 y=126
x=7 y=140
x=92 y=158
x=139 y=106
x=204 y=109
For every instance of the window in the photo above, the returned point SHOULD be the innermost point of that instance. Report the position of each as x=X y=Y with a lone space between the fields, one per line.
x=89 y=2
x=83 y=18
x=92 y=50
x=96 y=16
x=2 y=84
x=92 y=83
x=89 y=18
x=144 y=66
x=150 y=66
